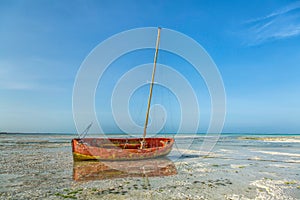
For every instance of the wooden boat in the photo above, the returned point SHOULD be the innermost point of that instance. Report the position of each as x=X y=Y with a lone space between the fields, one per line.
x=122 y=148
x=95 y=170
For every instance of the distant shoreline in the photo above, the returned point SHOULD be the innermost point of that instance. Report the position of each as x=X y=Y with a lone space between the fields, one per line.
x=137 y=135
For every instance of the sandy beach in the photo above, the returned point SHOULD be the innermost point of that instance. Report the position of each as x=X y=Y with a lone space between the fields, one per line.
x=42 y=167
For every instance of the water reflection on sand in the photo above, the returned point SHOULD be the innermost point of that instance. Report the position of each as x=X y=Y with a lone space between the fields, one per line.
x=101 y=170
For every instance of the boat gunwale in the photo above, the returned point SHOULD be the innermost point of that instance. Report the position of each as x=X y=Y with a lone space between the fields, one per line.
x=145 y=149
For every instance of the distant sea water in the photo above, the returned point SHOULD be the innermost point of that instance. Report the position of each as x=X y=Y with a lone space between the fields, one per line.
x=240 y=166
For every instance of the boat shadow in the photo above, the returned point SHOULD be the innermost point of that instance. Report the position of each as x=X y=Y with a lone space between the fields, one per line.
x=101 y=170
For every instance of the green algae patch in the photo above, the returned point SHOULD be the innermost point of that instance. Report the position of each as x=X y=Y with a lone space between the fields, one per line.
x=290 y=182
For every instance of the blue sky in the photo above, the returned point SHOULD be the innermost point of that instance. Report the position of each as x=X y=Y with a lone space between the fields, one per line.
x=255 y=45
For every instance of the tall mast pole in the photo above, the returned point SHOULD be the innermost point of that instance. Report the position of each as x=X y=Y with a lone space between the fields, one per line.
x=151 y=85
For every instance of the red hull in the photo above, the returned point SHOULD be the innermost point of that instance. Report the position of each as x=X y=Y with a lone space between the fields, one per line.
x=120 y=148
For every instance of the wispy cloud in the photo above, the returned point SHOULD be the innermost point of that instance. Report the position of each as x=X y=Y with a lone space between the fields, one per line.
x=27 y=76
x=12 y=78
x=280 y=24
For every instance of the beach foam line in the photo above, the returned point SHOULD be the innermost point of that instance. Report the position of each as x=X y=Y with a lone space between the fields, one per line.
x=291 y=139
x=279 y=153
x=283 y=140
x=195 y=152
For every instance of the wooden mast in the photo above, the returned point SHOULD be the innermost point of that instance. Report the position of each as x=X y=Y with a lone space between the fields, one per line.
x=151 y=87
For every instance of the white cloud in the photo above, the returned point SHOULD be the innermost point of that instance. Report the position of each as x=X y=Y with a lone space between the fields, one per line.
x=288 y=8
x=277 y=25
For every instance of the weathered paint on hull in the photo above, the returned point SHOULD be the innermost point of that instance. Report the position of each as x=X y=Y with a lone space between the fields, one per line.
x=120 y=148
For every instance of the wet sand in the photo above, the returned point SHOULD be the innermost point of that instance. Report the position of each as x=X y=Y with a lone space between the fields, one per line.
x=42 y=167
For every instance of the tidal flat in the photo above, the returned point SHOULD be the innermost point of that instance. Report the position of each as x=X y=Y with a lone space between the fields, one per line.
x=239 y=167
